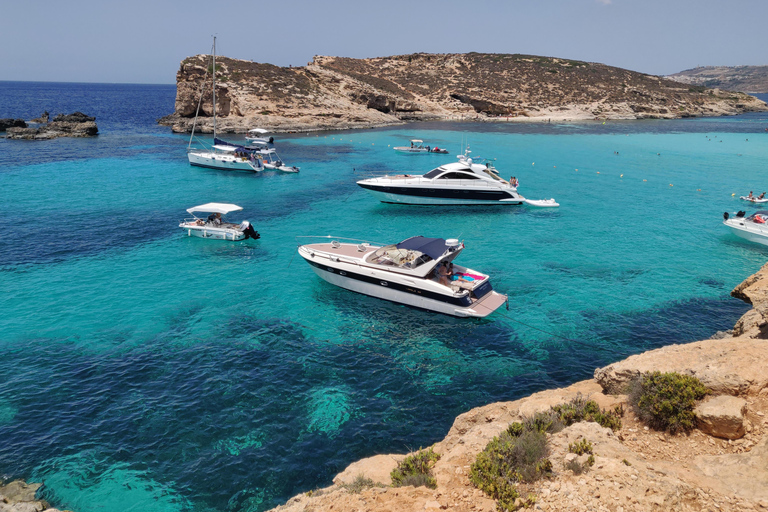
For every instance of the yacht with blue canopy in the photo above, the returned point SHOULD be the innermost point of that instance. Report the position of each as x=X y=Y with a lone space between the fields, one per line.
x=418 y=272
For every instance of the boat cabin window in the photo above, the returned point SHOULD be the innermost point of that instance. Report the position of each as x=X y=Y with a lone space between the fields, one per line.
x=434 y=172
x=458 y=176
x=391 y=256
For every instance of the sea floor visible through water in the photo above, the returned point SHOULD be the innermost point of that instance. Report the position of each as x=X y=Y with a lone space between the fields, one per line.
x=142 y=368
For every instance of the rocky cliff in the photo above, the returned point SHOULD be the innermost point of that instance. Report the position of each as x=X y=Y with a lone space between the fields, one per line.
x=719 y=466
x=751 y=79
x=340 y=93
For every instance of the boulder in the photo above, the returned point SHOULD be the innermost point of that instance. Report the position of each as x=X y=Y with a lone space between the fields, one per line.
x=722 y=416
x=19 y=490
x=11 y=123
x=77 y=117
x=42 y=119
x=72 y=125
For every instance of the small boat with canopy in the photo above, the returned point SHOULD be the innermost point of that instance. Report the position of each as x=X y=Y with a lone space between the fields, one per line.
x=214 y=226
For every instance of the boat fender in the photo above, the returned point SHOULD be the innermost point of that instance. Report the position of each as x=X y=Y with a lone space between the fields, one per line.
x=725 y=215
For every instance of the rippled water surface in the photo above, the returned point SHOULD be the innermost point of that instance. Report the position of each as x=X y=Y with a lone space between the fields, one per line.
x=142 y=368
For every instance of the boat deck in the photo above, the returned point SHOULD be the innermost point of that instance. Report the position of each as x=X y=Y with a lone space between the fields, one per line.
x=488 y=304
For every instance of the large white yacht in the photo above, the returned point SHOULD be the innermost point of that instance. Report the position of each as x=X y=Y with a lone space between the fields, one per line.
x=461 y=182
x=753 y=228
x=216 y=228
x=415 y=272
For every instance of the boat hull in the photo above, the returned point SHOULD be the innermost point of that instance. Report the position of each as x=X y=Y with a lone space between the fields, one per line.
x=374 y=284
x=222 y=162
x=436 y=196
x=213 y=233
x=741 y=228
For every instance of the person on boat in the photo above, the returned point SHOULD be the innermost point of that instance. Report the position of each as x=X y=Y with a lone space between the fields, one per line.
x=215 y=219
x=761 y=196
x=444 y=274
x=514 y=182
x=758 y=219
x=750 y=196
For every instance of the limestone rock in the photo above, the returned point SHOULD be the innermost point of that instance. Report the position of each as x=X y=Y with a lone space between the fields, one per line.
x=725 y=366
x=11 y=123
x=377 y=468
x=19 y=490
x=742 y=474
x=722 y=416
x=72 y=125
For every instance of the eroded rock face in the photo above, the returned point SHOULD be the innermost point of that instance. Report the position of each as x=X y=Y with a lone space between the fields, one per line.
x=722 y=416
x=341 y=93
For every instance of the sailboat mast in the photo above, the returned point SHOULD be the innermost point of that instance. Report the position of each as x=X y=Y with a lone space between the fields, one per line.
x=214 y=89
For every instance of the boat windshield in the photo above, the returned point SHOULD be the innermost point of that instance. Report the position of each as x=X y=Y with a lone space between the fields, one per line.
x=434 y=172
x=391 y=256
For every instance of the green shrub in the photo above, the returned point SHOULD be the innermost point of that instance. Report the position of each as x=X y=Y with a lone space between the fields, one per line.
x=361 y=483
x=665 y=401
x=416 y=470
x=519 y=454
x=581 y=447
x=581 y=409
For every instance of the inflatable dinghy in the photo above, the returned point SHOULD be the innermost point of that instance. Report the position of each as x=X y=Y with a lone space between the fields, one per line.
x=542 y=203
x=754 y=199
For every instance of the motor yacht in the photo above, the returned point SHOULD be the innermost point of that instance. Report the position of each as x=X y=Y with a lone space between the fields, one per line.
x=461 y=182
x=417 y=147
x=258 y=135
x=753 y=228
x=216 y=228
x=415 y=272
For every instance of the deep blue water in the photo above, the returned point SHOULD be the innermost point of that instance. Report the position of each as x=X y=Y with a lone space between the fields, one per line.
x=142 y=368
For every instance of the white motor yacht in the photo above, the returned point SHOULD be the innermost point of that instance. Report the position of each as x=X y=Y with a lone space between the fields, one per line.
x=413 y=272
x=753 y=228
x=417 y=147
x=258 y=135
x=214 y=226
x=462 y=182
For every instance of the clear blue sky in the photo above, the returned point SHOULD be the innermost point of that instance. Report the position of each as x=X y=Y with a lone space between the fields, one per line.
x=142 y=41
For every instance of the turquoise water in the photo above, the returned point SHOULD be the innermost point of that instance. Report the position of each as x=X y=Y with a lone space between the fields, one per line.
x=143 y=369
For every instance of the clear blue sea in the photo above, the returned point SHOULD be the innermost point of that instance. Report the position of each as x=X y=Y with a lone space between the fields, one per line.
x=144 y=370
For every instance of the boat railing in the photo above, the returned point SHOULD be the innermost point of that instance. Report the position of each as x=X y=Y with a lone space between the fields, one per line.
x=339 y=239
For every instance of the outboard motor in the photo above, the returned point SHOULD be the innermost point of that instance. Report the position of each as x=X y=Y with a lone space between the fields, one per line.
x=248 y=231
x=740 y=214
x=725 y=216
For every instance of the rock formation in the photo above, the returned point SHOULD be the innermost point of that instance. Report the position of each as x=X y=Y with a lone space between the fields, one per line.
x=11 y=123
x=751 y=79
x=72 y=125
x=340 y=93
x=720 y=466
x=19 y=496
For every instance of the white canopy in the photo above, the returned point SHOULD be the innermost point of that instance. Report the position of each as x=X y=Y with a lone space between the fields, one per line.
x=416 y=140
x=258 y=130
x=222 y=208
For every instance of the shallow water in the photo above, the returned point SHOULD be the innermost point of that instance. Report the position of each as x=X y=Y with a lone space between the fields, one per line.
x=142 y=368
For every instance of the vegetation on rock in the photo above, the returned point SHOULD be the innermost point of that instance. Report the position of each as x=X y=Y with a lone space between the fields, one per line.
x=416 y=470
x=665 y=401
x=359 y=484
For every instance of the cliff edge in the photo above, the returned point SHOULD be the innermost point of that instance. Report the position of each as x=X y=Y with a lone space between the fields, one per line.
x=342 y=93
x=719 y=466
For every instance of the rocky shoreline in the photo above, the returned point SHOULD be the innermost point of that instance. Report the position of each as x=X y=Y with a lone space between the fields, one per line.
x=721 y=465
x=71 y=125
x=19 y=496
x=337 y=93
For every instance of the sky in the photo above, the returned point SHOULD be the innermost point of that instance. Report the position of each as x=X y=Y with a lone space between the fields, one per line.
x=143 y=41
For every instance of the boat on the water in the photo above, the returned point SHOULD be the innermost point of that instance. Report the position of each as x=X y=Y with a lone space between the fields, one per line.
x=753 y=199
x=463 y=182
x=269 y=157
x=417 y=147
x=259 y=135
x=417 y=272
x=753 y=228
x=214 y=226
x=221 y=155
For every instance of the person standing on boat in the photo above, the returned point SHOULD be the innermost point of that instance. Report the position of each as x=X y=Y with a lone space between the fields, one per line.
x=514 y=182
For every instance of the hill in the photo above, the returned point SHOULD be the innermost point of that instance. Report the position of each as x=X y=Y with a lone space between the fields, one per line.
x=750 y=79
x=339 y=92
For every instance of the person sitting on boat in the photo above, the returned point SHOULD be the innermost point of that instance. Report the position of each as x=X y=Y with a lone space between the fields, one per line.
x=761 y=196
x=444 y=274
x=758 y=219
x=750 y=196
x=215 y=219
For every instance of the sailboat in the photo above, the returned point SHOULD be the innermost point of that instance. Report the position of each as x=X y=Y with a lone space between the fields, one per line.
x=222 y=155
